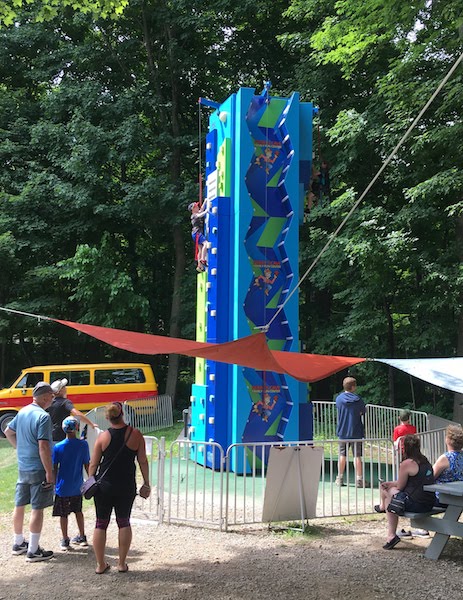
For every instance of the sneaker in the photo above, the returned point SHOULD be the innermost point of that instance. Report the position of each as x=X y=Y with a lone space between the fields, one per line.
x=339 y=480
x=39 y=555
x=402 y=533
x=20 y=548
x=64 y=544
x=424 y=533
x=80 y=540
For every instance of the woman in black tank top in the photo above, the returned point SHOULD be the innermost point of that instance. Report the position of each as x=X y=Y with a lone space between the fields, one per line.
x=113 y=459
x=415 y=471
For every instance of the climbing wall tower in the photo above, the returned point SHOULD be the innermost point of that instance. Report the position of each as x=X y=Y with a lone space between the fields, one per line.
x=258 y=165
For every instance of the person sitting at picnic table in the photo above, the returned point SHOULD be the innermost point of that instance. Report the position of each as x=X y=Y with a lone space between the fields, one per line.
x=449 y=466
x=415 y=471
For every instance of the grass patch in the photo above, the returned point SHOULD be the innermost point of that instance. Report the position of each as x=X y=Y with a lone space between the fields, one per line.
x=170 y=433
x=293 y=530
x=9 y=471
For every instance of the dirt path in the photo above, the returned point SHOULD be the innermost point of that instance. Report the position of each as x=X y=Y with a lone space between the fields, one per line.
x=344 y=560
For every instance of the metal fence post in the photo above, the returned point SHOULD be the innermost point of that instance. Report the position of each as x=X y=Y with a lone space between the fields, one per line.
x=161 y=471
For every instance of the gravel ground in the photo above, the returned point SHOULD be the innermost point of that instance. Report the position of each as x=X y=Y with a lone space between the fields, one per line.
x=340 y=559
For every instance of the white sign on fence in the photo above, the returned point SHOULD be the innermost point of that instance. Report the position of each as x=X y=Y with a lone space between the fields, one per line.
x=291 y=490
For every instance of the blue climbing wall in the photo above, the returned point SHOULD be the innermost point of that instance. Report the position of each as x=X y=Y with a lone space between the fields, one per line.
x=258 y=165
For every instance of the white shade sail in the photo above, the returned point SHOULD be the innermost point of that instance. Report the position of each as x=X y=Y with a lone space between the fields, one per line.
x=446 y=373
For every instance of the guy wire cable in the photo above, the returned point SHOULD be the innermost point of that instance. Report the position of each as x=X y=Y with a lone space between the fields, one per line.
x=369 y=186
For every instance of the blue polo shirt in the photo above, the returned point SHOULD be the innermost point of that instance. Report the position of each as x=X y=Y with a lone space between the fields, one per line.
x=31 y=424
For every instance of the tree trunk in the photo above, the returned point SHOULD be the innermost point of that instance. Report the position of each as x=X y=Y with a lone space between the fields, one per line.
x=458 y=398
x=175 y=173
x=170 y=120
x=174 y=330
x=391 y=351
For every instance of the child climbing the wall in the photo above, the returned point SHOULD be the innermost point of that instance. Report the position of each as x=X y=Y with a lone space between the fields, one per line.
x=198 y=215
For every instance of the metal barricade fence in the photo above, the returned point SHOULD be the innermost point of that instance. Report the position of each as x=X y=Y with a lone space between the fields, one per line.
x=245 y=487
x=432 y=445
x=379 y=420
x=152 y=508
x=194 y=492
x=230 y=492
x=149 y=414
x=146 y=414
x=324 y=419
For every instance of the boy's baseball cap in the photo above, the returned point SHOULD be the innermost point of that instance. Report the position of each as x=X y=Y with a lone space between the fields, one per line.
x=405 y=415
x=70 y=424
x=191 y=205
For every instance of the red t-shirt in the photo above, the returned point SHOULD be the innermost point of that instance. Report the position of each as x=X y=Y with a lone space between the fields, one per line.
x=403 y=429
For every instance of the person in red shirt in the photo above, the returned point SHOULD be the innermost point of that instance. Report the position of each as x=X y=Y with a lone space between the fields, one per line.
x=405 y=428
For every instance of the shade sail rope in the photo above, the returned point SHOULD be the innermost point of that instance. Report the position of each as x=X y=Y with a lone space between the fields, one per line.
x=26 y=314
x=368 y=188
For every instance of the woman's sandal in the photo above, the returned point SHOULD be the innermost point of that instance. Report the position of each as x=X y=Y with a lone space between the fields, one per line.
x=105 y=570
x=123 y=570
x=392 y=544
x=378 y=509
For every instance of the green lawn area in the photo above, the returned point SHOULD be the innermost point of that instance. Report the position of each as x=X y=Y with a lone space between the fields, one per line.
x=170 y=433
x=9 y=471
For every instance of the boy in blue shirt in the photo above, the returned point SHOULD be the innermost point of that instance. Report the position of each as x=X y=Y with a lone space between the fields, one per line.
x=69 y=458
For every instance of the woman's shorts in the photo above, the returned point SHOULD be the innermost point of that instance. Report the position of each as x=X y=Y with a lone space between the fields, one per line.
x=416 y=507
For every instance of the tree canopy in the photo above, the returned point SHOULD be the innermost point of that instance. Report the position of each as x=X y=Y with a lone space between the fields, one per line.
x=99 y=159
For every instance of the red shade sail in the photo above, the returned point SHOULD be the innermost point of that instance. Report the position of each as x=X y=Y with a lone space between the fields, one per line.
x=251 y=351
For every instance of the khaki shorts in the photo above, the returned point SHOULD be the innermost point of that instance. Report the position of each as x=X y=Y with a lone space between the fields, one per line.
x=29 y=490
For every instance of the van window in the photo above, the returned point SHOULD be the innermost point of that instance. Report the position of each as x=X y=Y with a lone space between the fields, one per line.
x=116 y=376
x=73 y=377
x=30 y=380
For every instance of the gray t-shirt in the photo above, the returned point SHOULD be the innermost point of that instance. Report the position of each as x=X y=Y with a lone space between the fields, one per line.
x=31 y=424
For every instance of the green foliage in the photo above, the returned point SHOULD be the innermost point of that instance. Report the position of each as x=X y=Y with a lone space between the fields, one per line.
x=47 y=10
x=390 y=285
x=98 y=155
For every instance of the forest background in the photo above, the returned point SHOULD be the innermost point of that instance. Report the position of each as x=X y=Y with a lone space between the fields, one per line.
x=99 y=160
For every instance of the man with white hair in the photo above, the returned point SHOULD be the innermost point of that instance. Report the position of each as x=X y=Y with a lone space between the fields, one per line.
x=30 y=432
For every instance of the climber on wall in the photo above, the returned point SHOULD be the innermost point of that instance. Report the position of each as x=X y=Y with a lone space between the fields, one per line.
x=198 y=215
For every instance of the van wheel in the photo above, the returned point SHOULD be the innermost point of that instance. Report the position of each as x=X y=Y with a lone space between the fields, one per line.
x=5 y=418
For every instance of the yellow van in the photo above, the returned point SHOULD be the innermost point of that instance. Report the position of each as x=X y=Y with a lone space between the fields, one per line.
x=89 y=385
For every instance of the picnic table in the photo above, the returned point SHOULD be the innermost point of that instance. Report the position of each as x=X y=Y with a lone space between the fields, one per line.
x=451 y=494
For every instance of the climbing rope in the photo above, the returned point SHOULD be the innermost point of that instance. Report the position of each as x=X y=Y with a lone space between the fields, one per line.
x=200 y=157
